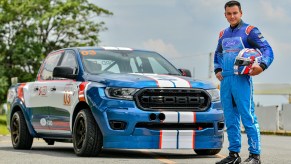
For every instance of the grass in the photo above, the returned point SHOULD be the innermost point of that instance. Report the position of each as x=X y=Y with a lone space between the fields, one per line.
x=3 y=128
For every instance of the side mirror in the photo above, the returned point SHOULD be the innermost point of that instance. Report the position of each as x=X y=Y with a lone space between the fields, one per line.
x=185 y=72
x=64 y=72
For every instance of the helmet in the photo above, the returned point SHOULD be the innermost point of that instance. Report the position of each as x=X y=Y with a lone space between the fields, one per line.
x=245 y=59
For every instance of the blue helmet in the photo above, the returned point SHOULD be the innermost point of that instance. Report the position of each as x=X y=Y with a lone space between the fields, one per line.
x=245 y=59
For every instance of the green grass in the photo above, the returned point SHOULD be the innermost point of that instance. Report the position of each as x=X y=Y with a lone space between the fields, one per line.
x=3 y=128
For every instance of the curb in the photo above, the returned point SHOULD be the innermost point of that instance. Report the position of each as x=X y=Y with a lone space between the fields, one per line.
x=278 y=133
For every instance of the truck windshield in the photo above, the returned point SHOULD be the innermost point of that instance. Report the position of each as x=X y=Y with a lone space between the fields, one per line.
x=98 y=61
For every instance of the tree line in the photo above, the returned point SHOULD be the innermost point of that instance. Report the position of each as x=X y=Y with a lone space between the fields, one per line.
x=30 y=29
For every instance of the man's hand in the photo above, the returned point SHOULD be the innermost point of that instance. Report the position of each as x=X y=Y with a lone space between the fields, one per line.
x=219 y=76
x=255 y=70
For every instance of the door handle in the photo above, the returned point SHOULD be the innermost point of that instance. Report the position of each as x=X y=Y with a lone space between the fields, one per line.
x=53 y=89
x=35 y=89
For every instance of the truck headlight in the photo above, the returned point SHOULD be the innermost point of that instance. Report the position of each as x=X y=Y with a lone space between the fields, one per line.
x=121 y=93
x=215 y=94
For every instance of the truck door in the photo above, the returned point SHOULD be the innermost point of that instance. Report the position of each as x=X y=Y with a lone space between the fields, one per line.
x=64 y=98
x=38 y=93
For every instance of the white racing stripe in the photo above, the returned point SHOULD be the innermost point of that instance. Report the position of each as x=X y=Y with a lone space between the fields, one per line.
x=117 y=48
x=167 y=80
x=186 y=138
x=187 y=117
x=178 y=139
x=171 y=117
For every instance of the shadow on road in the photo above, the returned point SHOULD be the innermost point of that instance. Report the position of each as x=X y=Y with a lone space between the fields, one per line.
x=65 y=151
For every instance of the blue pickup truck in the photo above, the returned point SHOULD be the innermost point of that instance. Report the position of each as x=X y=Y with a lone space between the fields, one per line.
x=114 y=97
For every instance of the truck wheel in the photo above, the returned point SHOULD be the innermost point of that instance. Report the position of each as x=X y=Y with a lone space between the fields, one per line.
x=20 y=136
x=207 y=151
x=87 y=137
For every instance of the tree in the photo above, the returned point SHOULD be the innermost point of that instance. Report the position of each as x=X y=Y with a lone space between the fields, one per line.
x=30 y=29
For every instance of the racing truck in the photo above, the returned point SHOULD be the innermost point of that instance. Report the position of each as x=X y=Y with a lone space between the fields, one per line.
x=115 y=97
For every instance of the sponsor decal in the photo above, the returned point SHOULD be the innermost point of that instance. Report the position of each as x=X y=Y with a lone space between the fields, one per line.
x=261 y=37
x=44 y=122
x=232 y=44
x=42 y=91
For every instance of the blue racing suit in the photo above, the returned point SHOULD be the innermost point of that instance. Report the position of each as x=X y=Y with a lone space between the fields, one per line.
x=237 y=90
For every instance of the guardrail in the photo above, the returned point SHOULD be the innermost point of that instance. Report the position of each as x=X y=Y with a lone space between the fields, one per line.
x=274 y=119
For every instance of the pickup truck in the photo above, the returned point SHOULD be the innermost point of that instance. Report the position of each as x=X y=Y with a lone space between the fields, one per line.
x=115 y=97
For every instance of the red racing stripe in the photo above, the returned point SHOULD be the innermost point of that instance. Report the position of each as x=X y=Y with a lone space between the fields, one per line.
x=161 y=139
x=20 y=93
x=82 y=90
x=194 y=133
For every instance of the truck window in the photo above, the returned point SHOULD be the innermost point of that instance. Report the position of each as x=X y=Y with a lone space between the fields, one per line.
x=49 y=64
x=69 y=60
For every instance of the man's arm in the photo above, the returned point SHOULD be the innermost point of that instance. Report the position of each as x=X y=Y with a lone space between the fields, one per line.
x=256 y=40
x=218 y=58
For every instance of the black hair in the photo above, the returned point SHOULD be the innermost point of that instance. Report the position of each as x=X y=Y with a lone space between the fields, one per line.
x=232 y=3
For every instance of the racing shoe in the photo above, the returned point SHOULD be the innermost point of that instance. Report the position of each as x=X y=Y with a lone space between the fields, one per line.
x=233 y=158
x=253 y=159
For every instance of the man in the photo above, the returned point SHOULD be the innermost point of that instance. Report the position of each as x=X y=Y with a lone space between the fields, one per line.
x=237 y=90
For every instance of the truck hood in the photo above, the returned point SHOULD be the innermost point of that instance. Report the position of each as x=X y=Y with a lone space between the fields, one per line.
x=138 y=80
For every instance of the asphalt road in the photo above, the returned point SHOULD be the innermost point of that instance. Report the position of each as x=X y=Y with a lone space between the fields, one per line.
x=275 y=150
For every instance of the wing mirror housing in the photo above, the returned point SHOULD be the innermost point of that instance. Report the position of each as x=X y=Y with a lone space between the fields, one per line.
x=64 y=72
x=185 y=72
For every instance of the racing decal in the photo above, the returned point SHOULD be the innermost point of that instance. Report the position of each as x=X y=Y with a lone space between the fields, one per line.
x=221 y=34
x=44 y=122
x=82 y=89
x=68 y=92
x=42 y=91
x=178 y=138
x=20 y=93
x=260 y=36
x=234 y=44
x=88 y=52
x=67 y=98
x=60 y=125
x=168 y=81
x=249 y=29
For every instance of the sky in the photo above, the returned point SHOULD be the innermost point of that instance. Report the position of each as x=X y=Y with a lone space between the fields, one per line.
x=186 y=31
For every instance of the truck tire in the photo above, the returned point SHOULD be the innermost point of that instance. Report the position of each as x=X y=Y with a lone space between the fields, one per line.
x=20 y=136
x=87 y=137
x=207 y=151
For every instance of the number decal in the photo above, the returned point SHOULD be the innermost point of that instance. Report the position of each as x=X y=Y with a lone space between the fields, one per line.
x=68 y=92
x=88 y=52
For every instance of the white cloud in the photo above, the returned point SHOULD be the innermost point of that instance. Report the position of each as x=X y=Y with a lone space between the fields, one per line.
x=160 y=46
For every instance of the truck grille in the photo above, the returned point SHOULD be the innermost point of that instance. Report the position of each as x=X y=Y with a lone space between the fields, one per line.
x=177 y=99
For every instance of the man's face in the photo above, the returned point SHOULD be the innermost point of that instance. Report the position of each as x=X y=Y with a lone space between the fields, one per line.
x=233 y=15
